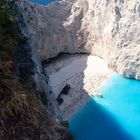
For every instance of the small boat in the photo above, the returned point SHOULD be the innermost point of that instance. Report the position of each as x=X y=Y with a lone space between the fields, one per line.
x=99 y=95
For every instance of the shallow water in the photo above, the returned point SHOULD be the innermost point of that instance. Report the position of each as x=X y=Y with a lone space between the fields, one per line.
x=114 y=117
x=43 y=2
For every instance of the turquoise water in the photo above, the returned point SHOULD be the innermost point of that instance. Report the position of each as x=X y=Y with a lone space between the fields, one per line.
x=44 y=2
x=114 y=117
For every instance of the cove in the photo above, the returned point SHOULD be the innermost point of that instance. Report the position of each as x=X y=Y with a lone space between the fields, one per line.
x=114 y=117
x=43 y=2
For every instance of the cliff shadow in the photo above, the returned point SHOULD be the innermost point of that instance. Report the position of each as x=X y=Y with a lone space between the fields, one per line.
x=84 y=74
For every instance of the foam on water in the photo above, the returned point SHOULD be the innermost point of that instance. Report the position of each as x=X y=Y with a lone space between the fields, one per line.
x=114 y=117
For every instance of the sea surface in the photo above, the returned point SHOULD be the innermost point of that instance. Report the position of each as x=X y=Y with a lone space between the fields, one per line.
x=116 y=116
x=43 y=2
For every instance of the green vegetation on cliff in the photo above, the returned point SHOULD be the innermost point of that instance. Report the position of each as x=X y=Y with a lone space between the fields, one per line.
x=19 y=108
x=22 y=114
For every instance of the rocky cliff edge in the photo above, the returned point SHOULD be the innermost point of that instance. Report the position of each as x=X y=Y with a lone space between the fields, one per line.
x=109 y=29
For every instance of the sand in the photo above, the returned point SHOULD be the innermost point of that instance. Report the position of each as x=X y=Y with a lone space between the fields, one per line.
x=85 y=74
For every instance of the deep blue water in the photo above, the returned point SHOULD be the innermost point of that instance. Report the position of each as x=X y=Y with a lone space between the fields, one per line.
x=114 y=117
x=44 y=2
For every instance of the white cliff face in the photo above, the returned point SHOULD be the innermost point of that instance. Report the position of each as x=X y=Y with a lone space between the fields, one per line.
x=114 y=34
x=46 y=30
x=107 y=28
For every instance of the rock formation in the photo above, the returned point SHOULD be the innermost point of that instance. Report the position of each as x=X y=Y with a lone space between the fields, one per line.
x=109 y=29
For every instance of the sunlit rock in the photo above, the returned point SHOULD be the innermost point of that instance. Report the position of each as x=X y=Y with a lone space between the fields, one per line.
x=109 y=29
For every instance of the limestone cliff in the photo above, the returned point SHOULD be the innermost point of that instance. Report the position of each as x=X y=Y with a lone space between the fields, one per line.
x=108 y=28
x=27 y=107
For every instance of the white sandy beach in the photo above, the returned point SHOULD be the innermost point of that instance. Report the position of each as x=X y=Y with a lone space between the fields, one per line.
x=85 y=74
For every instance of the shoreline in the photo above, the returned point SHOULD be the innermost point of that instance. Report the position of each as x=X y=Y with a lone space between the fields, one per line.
x=85 y=74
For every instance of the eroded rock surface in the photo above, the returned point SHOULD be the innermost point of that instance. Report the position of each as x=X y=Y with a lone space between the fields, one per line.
x=107 y=28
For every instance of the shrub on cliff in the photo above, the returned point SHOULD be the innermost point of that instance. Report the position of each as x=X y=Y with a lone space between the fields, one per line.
x=19 y=108
x=22 y=115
